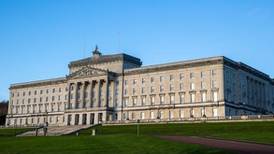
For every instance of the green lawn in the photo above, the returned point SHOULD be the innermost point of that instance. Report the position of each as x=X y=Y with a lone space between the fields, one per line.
x=123 y=139
x=122 y=144
x=261 y=132
x=5 y=132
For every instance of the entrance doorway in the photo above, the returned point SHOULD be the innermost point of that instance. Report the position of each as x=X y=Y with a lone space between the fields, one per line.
x=69 y=120
x=84 y=119
x=92 y=118
x=76 y=119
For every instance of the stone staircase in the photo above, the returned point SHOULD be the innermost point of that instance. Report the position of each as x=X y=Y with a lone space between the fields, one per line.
x=56 y=130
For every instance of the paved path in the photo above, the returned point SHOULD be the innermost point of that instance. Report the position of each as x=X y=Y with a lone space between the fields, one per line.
x=240 y=147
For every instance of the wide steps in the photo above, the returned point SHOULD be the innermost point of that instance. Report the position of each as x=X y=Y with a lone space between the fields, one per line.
x=56 y=130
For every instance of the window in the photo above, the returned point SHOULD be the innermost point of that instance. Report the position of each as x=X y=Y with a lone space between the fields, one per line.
x=192 y=98
x=203 y=85
x=214 y=84
x=29 y=93
x=143 y=100
x=171 y=115
x=143 y=90
x=134 y=82
x=181 y=86
x=125 y=92
x=161 y=88
x=203 y=74
x=34 y=100
x=192 y=86
x=24 y=93
x=142 y=115
x=171 y=87
x=182 y=98
x=192 y=113
x=35 y=92
x=203 y=97
x=162 y=99
x=41 y=92
x=181 y=76
x=215 y=112
x=125 y=82
x=181 y=113
x=152 y=115
x=152 y=100
x=125 y=102
x=152 y=79
x=203 y=112
x=53 y=90
x=143 y=80
x=152 y=89
x=161 y=78
x=191 y=75
x=215 y=96
x=172 y=99
x=171 y=78
x=213 y=72
x=134 y=101
x=47 y=99
x=133 y=91
x=60 y=90
x=52 y=98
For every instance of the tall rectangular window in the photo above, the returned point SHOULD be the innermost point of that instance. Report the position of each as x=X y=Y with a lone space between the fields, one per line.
x=182 y=98
x=152 y=100
x=203 y=97
x=215 y=96
x=162 y=99
x=172 y=99
x=192 y=86
x=192 y=98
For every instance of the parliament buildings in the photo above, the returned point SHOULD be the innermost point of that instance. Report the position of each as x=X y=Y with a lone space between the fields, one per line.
x=117 y=88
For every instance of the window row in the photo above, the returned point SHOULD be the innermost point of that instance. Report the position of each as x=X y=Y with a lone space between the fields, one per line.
x=171 y=114
x=167 y=99
x=172 y=77
x=171 y=88
x=35 y=100
x=35 y=92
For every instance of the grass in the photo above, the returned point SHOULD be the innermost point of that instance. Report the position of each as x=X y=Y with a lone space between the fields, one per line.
x=122 y=144
x=261 y=132
x=122 y=139
x=5 y=132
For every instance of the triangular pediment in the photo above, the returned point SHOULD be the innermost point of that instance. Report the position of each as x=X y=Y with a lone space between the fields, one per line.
x=87 y=72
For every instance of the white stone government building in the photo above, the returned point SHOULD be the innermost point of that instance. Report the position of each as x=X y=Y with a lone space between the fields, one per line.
x=117 y=88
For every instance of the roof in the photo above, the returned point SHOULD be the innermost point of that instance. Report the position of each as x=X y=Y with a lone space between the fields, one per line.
x=39 y=82
x=197 y=62
x=106 y=58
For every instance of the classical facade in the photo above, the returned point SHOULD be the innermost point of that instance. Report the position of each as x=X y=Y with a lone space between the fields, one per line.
x=116 y=88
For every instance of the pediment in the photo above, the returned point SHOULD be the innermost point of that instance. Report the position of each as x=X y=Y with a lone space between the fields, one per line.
x=87 y=72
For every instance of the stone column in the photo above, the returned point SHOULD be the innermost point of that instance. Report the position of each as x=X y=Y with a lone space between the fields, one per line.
x=81 y=119
x=69 y=97
x=91 y=94
x=75 y=95
x=106 y=92
x=88 y=118
x=98 y=93
x=83 y=95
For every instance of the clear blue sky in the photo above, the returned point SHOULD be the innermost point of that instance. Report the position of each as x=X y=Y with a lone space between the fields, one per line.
x=39 y=38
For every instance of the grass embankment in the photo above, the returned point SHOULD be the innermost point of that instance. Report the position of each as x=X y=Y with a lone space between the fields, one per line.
x=261 y=132
x=6 y=132
x=122 y=144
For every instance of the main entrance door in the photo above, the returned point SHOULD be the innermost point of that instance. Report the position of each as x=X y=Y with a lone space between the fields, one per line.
x=92 y=118
x=84 y=119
